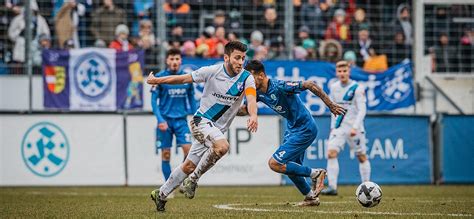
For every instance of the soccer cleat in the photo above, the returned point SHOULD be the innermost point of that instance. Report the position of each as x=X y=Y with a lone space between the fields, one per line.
x=160 y=204
x=309 y=201
x=329 y=191
x=189 y=188
x=181 y=188
x=318 y=182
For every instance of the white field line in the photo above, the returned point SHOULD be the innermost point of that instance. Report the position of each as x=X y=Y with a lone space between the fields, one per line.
x=234 y=207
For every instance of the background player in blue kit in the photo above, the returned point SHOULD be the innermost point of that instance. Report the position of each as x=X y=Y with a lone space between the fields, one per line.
x=282 y=97
x=176 y=101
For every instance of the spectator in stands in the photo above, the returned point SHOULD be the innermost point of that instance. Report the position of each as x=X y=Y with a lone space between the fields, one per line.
x=362 y=46
x=147 y=41
x=206 y=43
x=188 y=49
x=277 y=51
x=338 y=28
x=121 y=42
x=67 y=20
x=256 y=44
x=175 y=43
x=466 y=50
x=221 y=41
x=305 y=41
x=399 y=51
x=330 y=50
x=16 y=32
x=312 y=17
x=142 y=10
x=359 y=22
x=445 y=55
x=300 y=53
x=105 y=19
x=376 y=62
x=100 y=44
x=68 y=44
x=178 y=14
x=219 y=20
x=270 y=27
x=44 y=42
x=350 y=57
x=403 y=23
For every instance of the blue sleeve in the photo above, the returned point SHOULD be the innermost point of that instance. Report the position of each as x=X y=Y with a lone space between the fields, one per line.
x=291 y=86
x=191 y=99
x=154 y=105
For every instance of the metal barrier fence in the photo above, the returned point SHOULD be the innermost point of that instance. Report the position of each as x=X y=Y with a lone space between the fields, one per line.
x=372 y=34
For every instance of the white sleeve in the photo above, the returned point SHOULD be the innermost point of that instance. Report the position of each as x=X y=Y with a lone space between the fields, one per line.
x=203 y=74
x=333 y=117
x=360 y=103
x=250 y=82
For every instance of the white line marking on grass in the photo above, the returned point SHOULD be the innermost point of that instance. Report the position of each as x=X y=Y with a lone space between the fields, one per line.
x=234 y=207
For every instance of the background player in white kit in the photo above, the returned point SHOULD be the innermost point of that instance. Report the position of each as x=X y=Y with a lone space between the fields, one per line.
x=348 y=127
x=224 y=88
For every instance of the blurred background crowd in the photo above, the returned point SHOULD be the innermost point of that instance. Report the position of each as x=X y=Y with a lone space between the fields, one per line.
x=371 y=34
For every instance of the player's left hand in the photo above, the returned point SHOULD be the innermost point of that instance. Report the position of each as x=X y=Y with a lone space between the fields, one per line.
x=337 y=109
x=353 y=132
x=252 y=124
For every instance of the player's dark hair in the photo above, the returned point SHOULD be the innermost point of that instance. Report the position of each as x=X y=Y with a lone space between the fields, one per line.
x=255 y=66
x=234 y=45
x=172 y=52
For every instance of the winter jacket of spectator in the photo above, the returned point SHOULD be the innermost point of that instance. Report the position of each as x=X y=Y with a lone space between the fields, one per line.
x=65 y=26
x=118 y=45
x=338 y=32
x=16 y=34
x=104 y=22
x=399 y=25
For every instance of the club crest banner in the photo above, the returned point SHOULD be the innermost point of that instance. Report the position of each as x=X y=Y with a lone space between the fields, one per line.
x=93 y=79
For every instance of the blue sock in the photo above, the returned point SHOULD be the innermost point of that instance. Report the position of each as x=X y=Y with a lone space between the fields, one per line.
x=166 y=168
x=301 y=184
x=294 y=169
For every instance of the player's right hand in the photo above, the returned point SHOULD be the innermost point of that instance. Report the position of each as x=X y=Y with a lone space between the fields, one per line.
x=337 y=109
x=151 y=79
x=163 y=126
x=252 y=124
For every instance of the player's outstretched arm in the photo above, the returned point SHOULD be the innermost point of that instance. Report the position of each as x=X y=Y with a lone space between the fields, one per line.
x=171 y=79
x=318 y=91
x=252 y=123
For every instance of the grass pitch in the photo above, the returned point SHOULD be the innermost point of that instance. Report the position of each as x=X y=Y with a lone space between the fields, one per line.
x=241 y=202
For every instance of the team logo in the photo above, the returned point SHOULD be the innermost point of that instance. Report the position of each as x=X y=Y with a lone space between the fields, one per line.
x=240 y=86
x=93 y=76
x=55 y=78
x=45 y=149
x=273 y=97
x=398 y=88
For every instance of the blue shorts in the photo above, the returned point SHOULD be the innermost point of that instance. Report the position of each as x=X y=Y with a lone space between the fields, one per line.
x=179 y=128
x=294 y=145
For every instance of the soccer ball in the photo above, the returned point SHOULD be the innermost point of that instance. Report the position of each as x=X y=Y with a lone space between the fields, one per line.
x=369 y=194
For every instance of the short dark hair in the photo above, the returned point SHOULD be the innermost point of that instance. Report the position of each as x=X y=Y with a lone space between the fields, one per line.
x=234 y=45
x=172 y=52
x=255 y=66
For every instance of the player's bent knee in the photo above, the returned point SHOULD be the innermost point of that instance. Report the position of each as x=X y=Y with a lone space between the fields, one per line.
x=332 y=154
x=362 y=158
x=166 y=154
x=275 y=166
x=221 y=147
x=188 y=166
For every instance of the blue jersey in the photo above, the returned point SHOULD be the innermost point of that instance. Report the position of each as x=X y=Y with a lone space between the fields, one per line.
x=175 y=100
x=282 y=97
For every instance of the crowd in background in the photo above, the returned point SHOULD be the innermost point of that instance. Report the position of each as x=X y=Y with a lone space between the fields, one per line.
x=370 y=34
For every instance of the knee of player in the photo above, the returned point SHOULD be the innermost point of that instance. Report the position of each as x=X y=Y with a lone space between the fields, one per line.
x=332 y=154
x=188 y=167
x=166 y=154
x=275 y=166
x=222 y=148
x=362 y=158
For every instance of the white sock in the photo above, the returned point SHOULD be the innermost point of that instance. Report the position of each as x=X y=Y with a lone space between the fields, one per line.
x=333 y=172
x=176 y=178
x=364 y=169
x=310 y=194
x=207 y=162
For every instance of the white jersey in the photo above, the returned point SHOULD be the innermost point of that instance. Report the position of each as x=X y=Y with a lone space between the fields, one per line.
x=222 y=95
x=351 y=97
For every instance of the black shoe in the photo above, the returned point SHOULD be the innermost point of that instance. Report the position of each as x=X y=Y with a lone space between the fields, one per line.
x=160 y=204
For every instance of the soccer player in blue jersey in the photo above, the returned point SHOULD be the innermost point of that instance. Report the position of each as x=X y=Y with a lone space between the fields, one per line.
x=283 y=98
x=176 y=101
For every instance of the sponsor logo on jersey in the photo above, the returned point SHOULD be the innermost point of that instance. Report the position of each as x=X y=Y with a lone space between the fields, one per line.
x=226 y=97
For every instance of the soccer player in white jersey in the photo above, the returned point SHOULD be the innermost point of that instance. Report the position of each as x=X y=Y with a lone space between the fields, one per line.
x=224 y=88
x=348 y=127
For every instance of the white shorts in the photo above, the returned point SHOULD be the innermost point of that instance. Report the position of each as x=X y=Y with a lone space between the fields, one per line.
x=205 y=133
x=339 y=136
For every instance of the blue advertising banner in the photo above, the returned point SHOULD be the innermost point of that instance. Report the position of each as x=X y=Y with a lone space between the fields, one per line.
x=93 y=79
x=386 y=91
x=398 y=148
x=457 y=148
